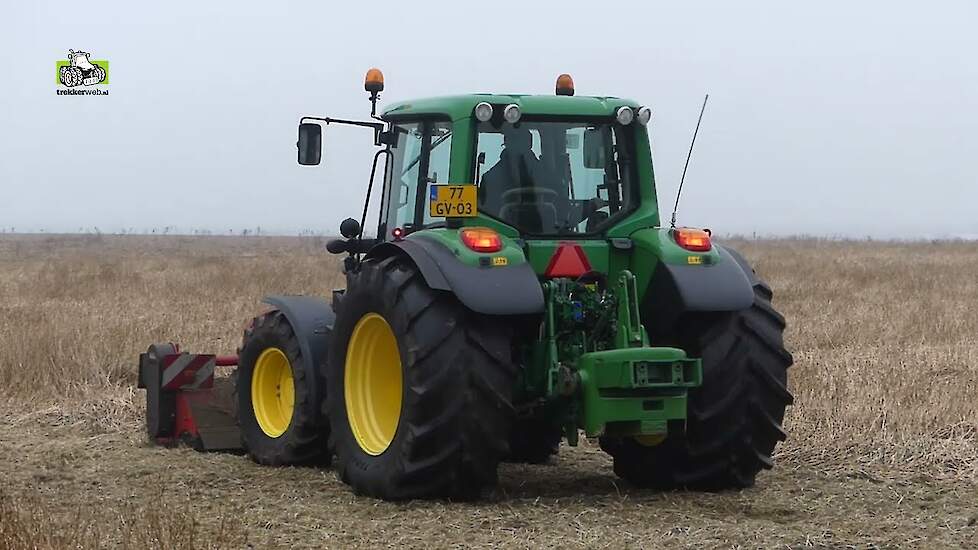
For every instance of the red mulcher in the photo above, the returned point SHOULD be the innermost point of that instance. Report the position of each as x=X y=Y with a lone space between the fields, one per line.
x=183 y=402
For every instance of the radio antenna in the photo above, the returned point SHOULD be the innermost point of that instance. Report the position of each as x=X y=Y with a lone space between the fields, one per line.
x=688 y=156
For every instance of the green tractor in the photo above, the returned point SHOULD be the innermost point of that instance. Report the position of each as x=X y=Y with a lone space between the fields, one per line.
x=520 y=290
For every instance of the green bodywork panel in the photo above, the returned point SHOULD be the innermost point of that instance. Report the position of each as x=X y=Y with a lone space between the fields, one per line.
x=540 y=252
x=635 y=391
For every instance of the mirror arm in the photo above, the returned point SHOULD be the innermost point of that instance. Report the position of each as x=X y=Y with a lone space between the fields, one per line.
x=380 y=136
x=377 y=126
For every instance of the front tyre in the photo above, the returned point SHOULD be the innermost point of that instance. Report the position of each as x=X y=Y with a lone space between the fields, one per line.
x=276 y=405
x=734 y=419
x=421 y=405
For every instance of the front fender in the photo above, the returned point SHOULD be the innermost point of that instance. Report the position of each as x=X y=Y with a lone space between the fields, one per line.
x=312 y=319
x=506 y=290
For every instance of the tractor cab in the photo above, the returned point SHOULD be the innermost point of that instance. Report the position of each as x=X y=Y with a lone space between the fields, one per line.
x=545 y=177
x=534 y=166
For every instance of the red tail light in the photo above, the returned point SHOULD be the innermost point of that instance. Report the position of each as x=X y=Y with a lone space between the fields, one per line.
x=568 y=260
x=694 y=240
x=481 y=239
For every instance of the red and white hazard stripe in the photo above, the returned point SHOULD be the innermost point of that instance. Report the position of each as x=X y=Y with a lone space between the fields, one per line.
x=186 y=371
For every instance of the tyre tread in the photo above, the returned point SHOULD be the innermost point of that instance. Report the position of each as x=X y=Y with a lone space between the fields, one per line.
x=734 y=420
x=304 y=441
x=458 y=380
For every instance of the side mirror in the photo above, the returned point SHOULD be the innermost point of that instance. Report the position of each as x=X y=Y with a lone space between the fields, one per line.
x=349 y=228
x=310 y=143
x=594 y=150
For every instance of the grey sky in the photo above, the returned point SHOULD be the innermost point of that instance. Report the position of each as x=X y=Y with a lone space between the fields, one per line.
x=834 y=118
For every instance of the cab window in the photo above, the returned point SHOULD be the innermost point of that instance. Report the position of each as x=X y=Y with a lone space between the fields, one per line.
x=421 y=158
x=553 y=177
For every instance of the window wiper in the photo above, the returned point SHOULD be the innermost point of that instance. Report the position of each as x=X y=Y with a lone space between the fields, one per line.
x=417 y=159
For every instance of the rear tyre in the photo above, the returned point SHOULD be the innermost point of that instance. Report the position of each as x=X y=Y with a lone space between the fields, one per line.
x=421 y=405
x=734 y=419
x=277 y=408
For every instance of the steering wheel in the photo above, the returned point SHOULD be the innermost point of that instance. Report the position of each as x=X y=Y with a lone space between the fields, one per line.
x=593 y=205
x=538 y=194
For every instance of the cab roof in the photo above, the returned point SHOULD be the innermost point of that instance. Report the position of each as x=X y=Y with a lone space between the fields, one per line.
x=461 y=106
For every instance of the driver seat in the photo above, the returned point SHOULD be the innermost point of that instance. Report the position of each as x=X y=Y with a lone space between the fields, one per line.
x=532 y=217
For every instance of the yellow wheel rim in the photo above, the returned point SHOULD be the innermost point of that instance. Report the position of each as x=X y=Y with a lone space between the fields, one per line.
x=372 y=384
x=273 y=392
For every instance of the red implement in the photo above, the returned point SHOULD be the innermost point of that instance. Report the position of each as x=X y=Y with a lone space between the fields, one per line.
x=184 y=400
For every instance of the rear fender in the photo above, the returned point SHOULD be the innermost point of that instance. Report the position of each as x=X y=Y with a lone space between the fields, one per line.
x=676 y=289
x=508 y=290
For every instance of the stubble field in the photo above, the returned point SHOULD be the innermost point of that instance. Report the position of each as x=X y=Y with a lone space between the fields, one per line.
x=882 y=448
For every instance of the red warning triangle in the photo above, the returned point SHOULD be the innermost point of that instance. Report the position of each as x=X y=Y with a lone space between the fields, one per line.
x=568 y=260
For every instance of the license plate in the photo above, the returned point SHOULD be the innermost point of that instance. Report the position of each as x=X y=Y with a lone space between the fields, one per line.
x=453 y=201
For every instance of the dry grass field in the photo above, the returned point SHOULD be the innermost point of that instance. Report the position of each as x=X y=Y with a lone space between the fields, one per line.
x=882 y=448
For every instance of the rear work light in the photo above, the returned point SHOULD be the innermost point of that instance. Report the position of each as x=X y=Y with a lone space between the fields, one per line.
x=483 y=112
x=481 y=239
x=694 y=240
